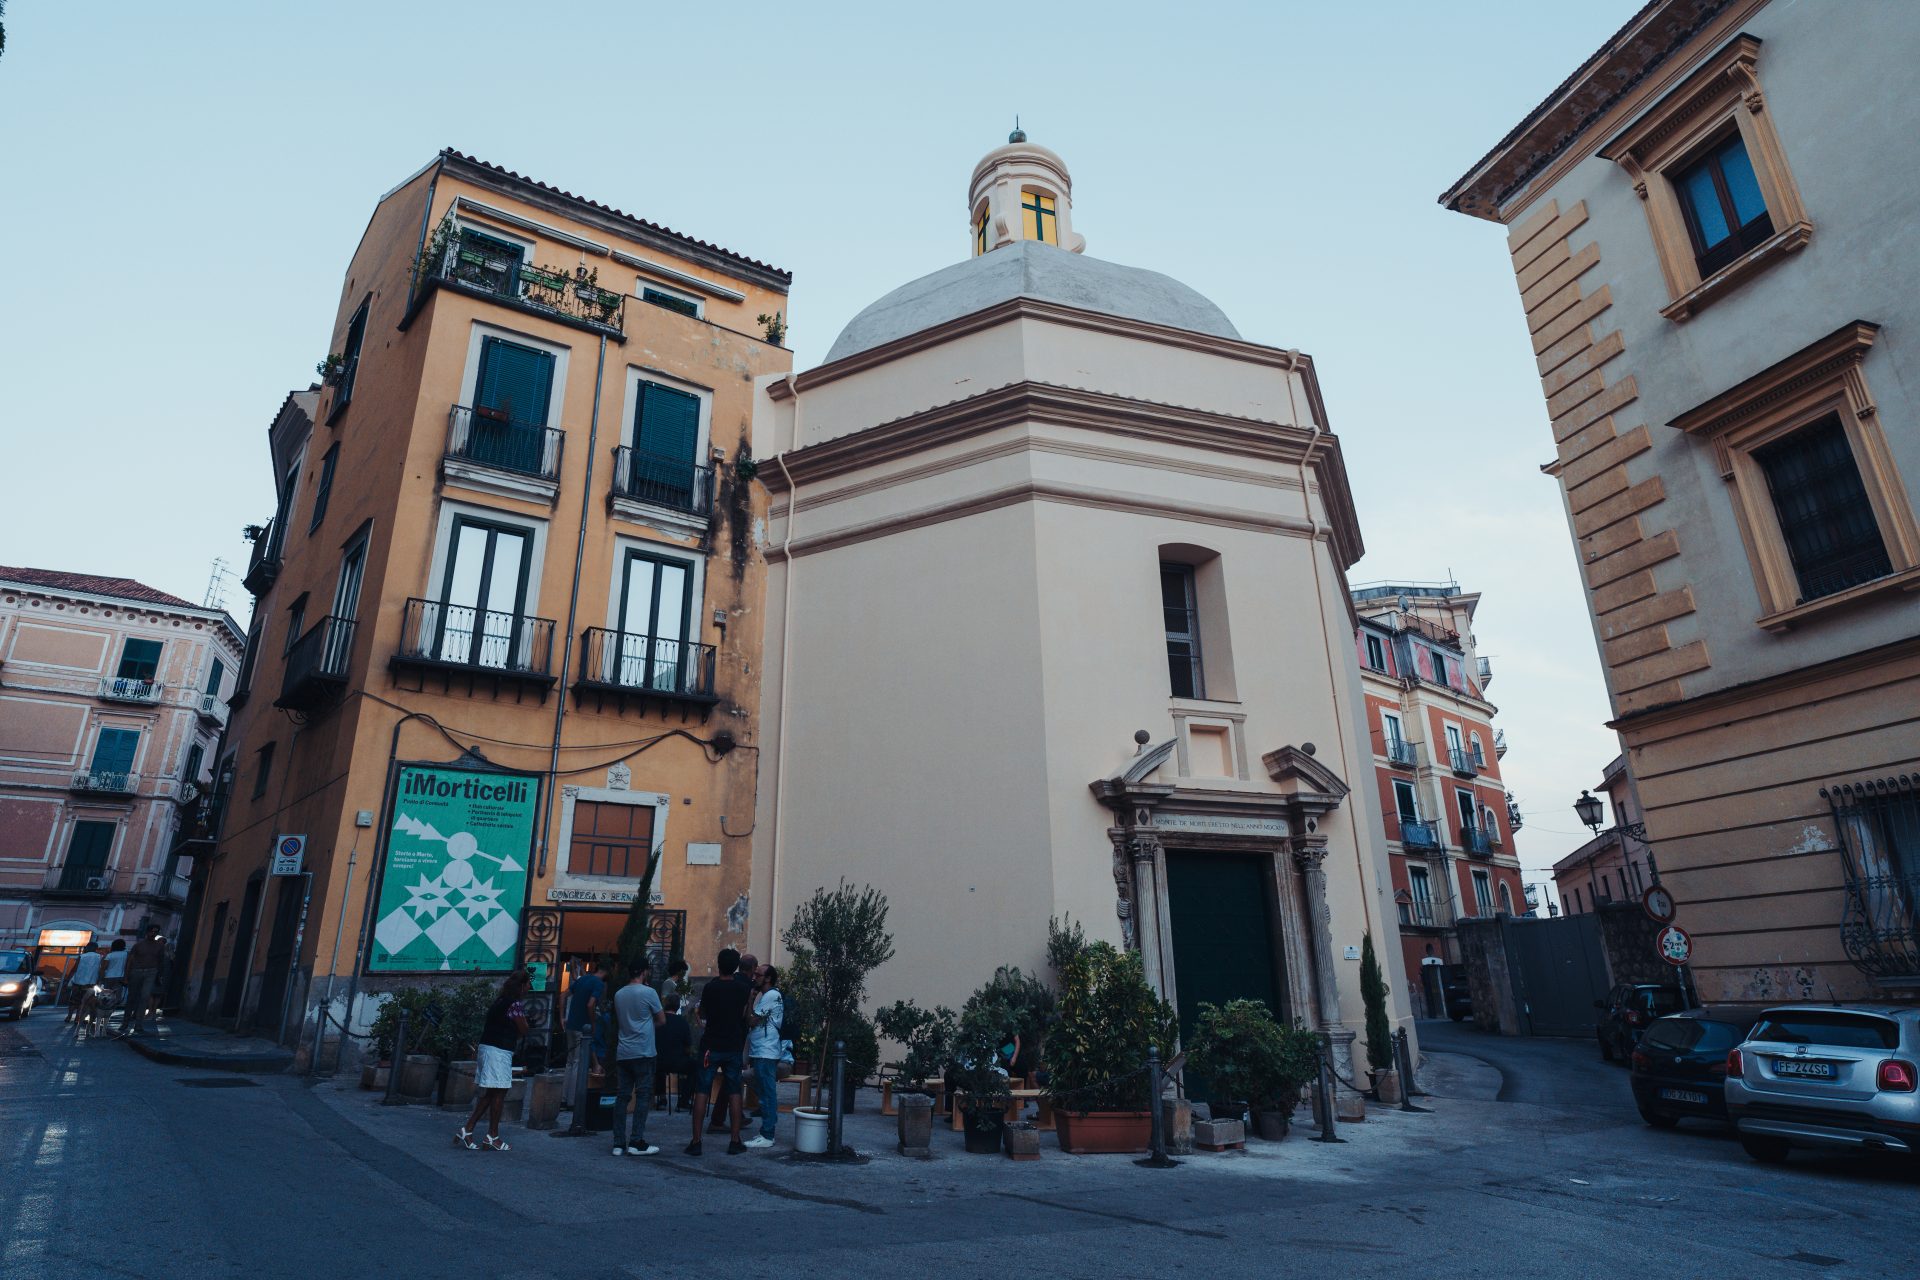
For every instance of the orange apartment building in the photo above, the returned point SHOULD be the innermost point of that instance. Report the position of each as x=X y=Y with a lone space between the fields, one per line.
x=1436 y=761
x=506 y=645
x=112 y=700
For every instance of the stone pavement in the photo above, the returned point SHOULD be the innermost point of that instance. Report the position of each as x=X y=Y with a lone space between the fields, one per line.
x=183 y=1043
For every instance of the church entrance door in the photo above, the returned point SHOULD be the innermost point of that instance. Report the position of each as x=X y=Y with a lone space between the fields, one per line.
x=1223 y=936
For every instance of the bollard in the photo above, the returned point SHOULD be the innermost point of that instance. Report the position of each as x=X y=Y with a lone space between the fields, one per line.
x=836 y=1101
x=1403 y=1056
x=1157 y=1157
x=392 y=1097
x=579 y=1067
x=1324 y=1089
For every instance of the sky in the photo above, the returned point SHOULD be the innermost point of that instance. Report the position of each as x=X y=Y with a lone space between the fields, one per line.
x=181 y=186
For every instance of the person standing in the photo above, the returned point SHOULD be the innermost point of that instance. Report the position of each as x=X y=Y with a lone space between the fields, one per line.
x=637 y=1011
x=81 y=980
x=583 y=1003
x=143 y=971
x=676 y=983
x=113 y=981
x=723 y=1014
x=493 y=1074
x=765 y=1024
x=675 y=1041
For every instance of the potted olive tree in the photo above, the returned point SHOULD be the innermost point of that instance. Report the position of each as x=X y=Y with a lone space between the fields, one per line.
x=842 y=933
x=1096 y=1051
x=925 y=1037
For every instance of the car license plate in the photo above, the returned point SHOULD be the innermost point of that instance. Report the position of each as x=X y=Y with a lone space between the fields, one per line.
x=1803 y=1069
x=1684 y=1095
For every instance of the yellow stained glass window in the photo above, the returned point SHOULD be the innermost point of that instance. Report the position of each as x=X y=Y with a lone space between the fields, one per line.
x=980 y=234
x=1038 y=218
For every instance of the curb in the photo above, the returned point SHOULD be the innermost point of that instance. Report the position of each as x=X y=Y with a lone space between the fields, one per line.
x=249 y=1063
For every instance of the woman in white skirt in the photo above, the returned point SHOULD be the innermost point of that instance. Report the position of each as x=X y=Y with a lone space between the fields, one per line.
x=493 y=1076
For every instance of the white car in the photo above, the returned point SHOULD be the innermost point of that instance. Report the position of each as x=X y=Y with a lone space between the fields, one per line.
x=20 y=987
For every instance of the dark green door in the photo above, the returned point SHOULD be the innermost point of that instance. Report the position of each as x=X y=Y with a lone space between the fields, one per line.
x=1222 y=939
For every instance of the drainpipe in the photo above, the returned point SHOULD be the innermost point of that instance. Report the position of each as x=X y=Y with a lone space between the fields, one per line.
x=573 y=609
x=786 y=662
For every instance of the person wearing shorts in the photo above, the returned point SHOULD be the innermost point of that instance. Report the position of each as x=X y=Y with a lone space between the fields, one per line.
x=723 y=1013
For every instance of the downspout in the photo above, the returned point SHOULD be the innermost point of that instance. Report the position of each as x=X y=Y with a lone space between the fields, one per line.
x=573 y=609
x=786 y=662
x=1319 y=596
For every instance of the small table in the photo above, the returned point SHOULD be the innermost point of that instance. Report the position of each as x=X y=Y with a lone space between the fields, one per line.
x=1017 y=1100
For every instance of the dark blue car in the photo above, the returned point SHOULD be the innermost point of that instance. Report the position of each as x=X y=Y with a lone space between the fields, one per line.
x=1680 y=1065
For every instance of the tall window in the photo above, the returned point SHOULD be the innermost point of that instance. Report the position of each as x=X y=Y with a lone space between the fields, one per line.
x=1440 y=669
x=1506 y=899
x=346 y=605
x=356 y=335
x=486 y=262
x=666 y=443
x=656 y=608
x=1403 y=802
x=262 y=770
x=113 y=751
x=1376 y=652
x=215 y=674
x=1825 y=517
x=325 y=491
x=296 y=624
x=196 y=760
x=1464 y=805
x=1179 y=606
x=1390 y=724
x=610 y=839
x=1726 y=214
x=484 y=594
x=87 y=851
x=512 y=393
x=1483 y=892
x=1420 y=889
x=980 y=233
x=1479 y=756
x=1039 y=219
x=139 y=660
x=1455 y=755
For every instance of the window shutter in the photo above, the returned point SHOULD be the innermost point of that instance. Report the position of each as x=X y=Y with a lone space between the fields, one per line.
x=515 y=380
x=88 y=849
x=669 y=425
x=113 y=753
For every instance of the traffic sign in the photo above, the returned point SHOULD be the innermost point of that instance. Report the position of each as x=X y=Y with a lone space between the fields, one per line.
x=1674 y=946
x=1658 y=904
x=288 y=853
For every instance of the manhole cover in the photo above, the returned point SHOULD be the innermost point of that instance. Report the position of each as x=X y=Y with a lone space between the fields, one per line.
x=220 y=1082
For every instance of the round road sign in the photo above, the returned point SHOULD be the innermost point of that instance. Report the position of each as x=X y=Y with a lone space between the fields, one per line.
x=1658 y=904
x=1674 y=946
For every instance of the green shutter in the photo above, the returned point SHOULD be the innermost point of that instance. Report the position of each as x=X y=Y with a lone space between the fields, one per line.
x=515 y=380
x=139 y=660
x=668 y=425
x=87 y=852
x=113 y=750
x=214 y=675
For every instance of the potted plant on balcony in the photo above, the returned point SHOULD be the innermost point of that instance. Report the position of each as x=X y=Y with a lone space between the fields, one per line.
x=925 y=1037
x=331 y=368
x=1096 y=1051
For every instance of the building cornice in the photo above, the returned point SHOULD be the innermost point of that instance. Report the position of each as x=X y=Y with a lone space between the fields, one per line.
x=218 y=618
x=1847 y=345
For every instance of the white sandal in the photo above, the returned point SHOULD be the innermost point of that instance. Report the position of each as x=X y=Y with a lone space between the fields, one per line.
x=496 y=1144
x=464 y=1138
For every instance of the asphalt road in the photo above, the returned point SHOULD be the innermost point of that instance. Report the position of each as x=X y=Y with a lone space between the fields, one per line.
x=117 y=1166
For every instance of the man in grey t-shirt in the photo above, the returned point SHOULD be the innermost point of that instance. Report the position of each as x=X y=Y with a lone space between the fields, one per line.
x=636 y=1012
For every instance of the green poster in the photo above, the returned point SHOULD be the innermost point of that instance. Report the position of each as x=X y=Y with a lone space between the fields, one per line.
x=455 y=878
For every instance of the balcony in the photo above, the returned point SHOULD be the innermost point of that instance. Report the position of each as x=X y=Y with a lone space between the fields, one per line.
x=1499 y=744
x=487 y=450
x=78 y=880
x=1485 y=667
x=1402 y=754
x=130 y=689
x=106 y=783
x=1463 y=763
x=213 y=710
x=649 y=480
x=480 y=267
x=1474 y=839
x=263 y=565
x=640 y=668
x=1420 y=914
x=506 y=651
x=317 y=666
x=1417 y=833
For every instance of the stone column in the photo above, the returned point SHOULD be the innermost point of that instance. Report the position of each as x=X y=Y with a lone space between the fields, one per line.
x=1145 y=851
x=1123 y=886
x=1310 y=854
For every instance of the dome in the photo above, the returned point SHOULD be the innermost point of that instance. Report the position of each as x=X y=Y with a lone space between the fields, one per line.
x=1029 y=269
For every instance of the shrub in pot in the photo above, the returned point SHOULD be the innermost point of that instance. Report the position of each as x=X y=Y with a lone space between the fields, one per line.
x=1028 y=1005
x=925 y=1037
x=839 y=936
x=1373 y=996
x=981 y=1087
x=1234 y=1053
x=1108 y=1018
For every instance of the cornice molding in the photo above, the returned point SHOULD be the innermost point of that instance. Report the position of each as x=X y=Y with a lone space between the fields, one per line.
x=1733 y=68
x=1817 y=362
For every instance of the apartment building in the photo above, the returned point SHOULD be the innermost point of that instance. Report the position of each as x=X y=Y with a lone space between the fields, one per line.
x=507 y=638
x=1709 y=222
x=1450 y=824
x=112 y=701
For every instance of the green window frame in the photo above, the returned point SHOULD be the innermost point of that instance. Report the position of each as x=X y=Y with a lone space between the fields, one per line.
x=139 y=660
x=482 y=605
x=114 y=750
x=670 y=301
x=89 y=847
x=262 y=769
x=216 y=672
x=325 y=490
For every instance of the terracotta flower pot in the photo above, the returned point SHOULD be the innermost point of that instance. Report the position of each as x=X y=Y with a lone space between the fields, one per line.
x=1104 y=1132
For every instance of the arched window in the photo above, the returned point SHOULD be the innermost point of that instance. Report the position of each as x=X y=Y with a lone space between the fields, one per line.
x=1506 y=899
x=1039 y=218
x=980 y=232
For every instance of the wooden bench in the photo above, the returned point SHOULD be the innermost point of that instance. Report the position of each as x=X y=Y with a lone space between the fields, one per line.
x=1017 y=1100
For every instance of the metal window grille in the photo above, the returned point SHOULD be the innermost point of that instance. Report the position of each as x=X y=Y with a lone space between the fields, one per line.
x=1826 y=521
x=1878 y=821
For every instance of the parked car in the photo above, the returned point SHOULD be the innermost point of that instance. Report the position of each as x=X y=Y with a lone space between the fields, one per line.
x=19 y=986
x=1628 y=1011
x=1827 y=1076
x=1680 y=1068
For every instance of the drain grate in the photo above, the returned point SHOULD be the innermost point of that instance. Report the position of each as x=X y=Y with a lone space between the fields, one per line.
x=219 y=1082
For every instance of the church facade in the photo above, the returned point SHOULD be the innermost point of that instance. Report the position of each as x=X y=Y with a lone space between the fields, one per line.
x=1058 y=626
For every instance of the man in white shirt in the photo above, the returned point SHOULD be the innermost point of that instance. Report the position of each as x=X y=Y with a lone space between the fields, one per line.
x=81 y=980
x=766 y=1023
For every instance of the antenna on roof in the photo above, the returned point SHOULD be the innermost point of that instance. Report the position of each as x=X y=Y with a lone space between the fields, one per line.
x=216 y=597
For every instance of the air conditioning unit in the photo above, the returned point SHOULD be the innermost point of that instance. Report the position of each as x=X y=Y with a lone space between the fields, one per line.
x=96 y=884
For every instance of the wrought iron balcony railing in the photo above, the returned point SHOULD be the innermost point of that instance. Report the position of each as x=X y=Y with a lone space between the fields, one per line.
x=1473 y=838
x=1486 y=672
x=628 y=662
x=1416 y=833
x=106 y=782
x=434 y=633
x=1420 y=913
x=317 y=665
x=484 y=438
x=1402 y=753
x=263 y=563
x=478 y=266
x=79 y=879
x=130 y=689
x=212 y=708
x=1462 y=762
x=675 y=483
x=1499 y=744
x=1878 y=822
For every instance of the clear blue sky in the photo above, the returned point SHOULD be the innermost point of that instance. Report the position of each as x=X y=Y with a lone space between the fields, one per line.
x=184 y=183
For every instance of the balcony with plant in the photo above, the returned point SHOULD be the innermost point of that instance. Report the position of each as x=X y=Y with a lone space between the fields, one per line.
x=469 y=261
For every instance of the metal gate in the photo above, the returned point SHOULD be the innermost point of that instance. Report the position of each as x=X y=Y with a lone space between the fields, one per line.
x=1558 y=971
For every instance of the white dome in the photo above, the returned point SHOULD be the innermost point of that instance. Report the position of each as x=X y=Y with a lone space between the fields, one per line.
x=1029 y=269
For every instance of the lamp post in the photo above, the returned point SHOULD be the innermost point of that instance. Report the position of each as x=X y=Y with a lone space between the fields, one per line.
x=1587 y=809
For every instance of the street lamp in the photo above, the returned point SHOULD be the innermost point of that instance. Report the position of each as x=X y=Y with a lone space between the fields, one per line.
x=1587 y=809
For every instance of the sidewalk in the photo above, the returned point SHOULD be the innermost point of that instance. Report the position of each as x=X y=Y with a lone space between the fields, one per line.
x=184 y=1043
